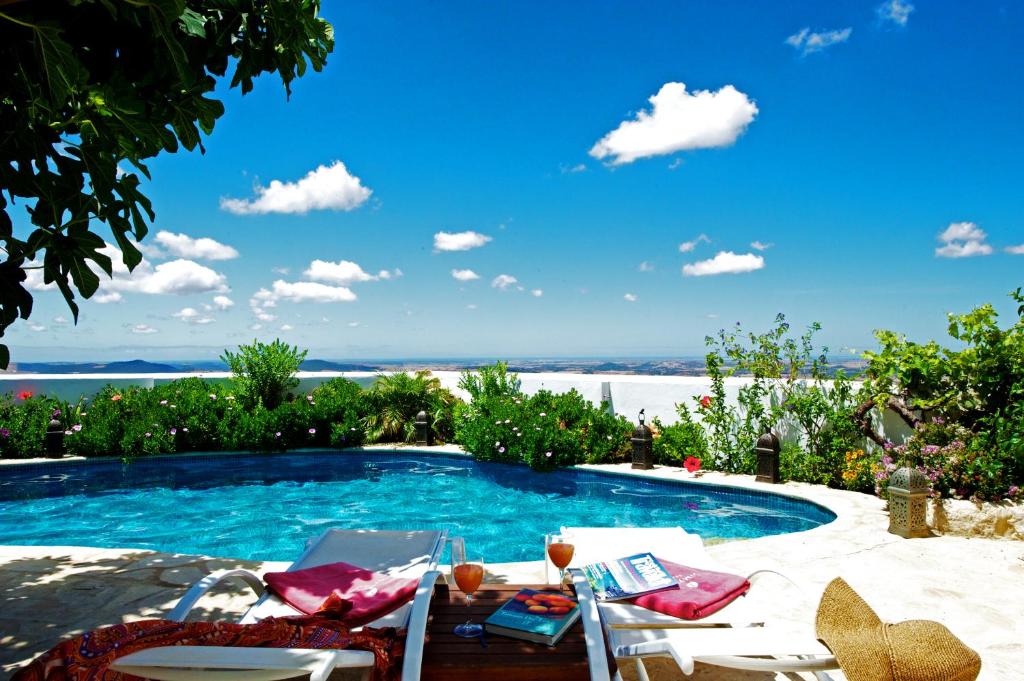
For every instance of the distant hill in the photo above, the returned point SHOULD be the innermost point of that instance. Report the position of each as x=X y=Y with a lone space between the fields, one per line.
x=326 y=365
x=133 y=366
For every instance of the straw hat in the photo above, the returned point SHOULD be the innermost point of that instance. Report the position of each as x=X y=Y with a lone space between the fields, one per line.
x=868 y=649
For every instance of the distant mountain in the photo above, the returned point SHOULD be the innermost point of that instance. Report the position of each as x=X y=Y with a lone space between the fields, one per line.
x=133 y=366
x=326 y=365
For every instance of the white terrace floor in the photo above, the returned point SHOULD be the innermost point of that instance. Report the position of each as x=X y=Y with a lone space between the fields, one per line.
x=974 y=586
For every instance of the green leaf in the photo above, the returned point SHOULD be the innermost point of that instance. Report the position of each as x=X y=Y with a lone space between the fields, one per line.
x=193 y=23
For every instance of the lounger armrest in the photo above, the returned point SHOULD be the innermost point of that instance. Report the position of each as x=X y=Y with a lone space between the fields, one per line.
x=199 y=589
x=416 y=632
x=219 y=663
x=593 y=630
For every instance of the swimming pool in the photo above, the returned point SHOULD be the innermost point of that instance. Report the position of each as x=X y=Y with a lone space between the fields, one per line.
x=265 y=507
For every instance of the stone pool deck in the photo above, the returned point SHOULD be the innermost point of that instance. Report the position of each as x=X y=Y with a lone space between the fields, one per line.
x=973 y=585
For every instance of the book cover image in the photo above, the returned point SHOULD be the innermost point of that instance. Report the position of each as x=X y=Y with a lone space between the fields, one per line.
x=628 y=577
x=542 y=613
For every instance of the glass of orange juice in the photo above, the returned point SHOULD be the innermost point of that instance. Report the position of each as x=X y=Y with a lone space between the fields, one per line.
x=468 y=576
x=560 y=551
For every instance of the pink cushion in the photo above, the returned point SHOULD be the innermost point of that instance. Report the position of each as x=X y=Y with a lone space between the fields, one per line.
x=700 y=592
x=371 y=594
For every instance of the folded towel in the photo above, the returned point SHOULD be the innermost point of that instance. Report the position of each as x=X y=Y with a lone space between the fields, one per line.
x=371 y=594
x=700 y=592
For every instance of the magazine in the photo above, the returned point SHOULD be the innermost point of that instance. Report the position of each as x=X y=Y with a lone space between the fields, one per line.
x=538 y=616
x=628 y=577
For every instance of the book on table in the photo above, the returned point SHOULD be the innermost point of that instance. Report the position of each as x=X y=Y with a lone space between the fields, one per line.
x=537 y=616
x=629 y=577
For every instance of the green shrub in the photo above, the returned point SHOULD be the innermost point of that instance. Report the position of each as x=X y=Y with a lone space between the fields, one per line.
x=545 y=430
x=392 y=402
x=264 y=373
x=23 y=423
x=674 y=443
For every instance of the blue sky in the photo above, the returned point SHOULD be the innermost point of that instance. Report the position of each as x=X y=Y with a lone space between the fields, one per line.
x=875 y=158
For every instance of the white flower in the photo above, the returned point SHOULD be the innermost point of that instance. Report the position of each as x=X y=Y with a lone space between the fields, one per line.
x=498 y=443
x=547 y=454
x=543 y=413
x=163 y=401
x=212 y=396
x=230 y=397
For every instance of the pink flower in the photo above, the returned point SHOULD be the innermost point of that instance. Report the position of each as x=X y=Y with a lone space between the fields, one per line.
x=116 y=398
x=77 y=427
x=149 y=434
x=174 y=431
x=277 y=434
x=501 y=450
x=705 y=401
x=312 y=431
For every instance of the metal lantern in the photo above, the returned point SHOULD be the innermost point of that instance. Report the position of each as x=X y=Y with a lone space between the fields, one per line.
x=908 y=496
x=767 y=450
x=643 y=445
x=422 y=429
x=53 y=441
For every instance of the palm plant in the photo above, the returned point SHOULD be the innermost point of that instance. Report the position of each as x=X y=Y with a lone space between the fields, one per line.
x=394 y=400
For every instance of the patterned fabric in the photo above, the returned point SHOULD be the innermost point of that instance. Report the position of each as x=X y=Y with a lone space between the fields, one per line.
x=88 y=657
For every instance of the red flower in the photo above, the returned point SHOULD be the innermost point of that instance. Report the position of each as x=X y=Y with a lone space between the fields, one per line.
x=692 y=464
x=705 y=401
x=24 y=394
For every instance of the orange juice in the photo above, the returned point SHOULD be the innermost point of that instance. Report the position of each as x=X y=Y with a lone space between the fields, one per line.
x=468 y=576
x=561 y=554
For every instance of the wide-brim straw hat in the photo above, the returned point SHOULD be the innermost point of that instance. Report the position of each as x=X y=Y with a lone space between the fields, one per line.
x=868 y=649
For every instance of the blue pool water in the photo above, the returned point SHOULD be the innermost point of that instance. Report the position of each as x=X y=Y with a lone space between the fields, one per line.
x=266 y=507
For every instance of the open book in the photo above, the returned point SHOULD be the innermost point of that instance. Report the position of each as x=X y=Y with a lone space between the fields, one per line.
x=628 y=577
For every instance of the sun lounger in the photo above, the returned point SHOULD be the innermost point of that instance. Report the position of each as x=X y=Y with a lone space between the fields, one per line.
x=594 y=544
x=412 y=554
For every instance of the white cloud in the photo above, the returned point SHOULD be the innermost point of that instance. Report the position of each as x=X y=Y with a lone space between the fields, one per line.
x=896 y=11
x=1015 y=250
x=343 y=272
x=537 y=293
x=105 y=298
x=725 y=262
x=309 y=292
x=353 y=325
x=465 y=275
x=326 y=188
x=808 y=41
x=688 y=246
x=572 y=170
x=280 y=270
x=459 y=241
x=679 y=120
x=630 y=297
x=390 y=274
x=222 y=302
x=646 y=266
x=60 y=320
x=962 y=240
x=471 y=306
x=504 y=281
x=203 y=248
x=255 y=327
x=36 y=327
x=761 y=245
x=177 y=277
x=143 y=329
x=287 y=327
x=190 y=315
x=963 y=249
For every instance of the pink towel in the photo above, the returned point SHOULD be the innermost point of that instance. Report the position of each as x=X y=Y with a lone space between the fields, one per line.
x=371 y=594
x=700 y=592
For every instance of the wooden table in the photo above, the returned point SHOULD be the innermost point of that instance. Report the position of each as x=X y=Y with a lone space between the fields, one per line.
x=446 y=656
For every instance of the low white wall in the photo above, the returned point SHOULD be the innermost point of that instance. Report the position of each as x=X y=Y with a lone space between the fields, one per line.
x=657 y=395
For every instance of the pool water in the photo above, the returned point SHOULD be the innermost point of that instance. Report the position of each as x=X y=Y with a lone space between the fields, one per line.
x=265 y=507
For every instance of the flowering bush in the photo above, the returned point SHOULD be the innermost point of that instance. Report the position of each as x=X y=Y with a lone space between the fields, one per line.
x=860 y=470
x=674 y=443
x=545 y=430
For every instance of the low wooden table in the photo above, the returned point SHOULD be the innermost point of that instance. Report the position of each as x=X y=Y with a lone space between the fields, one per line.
x=447 y=656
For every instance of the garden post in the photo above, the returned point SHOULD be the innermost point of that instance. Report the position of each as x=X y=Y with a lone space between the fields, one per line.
x=643 y=445
x=53 y=441
x=422 y=429
x=767 y=450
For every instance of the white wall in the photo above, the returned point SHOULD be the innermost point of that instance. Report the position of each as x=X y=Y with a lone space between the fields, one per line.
x=657 y=395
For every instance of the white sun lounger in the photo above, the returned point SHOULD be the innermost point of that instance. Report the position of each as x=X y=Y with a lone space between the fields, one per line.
x=412 y=554
x=594 y=544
